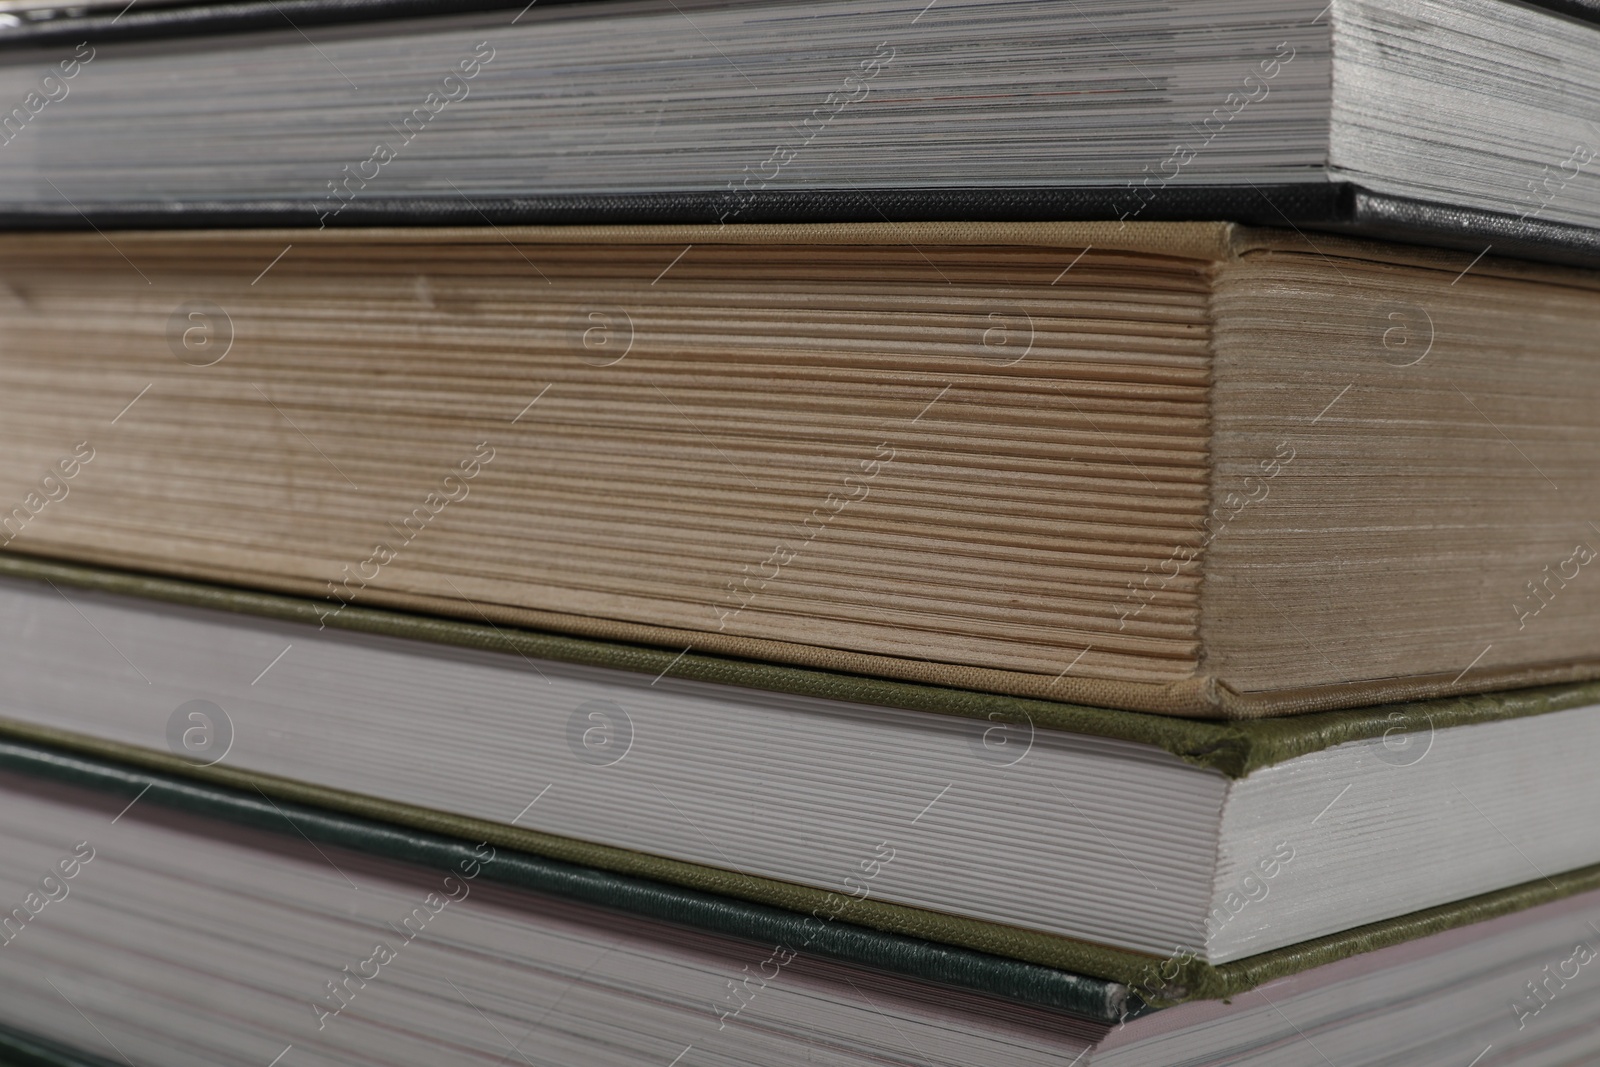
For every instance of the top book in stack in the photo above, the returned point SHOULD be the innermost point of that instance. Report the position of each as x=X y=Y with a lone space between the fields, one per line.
x=1386 y=116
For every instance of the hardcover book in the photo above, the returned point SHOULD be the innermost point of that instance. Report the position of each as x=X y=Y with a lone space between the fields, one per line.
x=163 y=921
x=1092 y=840
x=708 y=532
x=1387 y=117
x=1183 y=468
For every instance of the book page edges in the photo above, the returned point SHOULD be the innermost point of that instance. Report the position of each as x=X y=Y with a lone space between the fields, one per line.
x=1232 y=748
x=1175 y=979
x=1201 y=696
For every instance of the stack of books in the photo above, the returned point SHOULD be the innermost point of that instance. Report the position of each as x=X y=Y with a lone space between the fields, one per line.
x=794 y=532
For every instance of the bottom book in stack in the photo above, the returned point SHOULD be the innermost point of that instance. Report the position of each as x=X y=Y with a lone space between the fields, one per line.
x=160 y=920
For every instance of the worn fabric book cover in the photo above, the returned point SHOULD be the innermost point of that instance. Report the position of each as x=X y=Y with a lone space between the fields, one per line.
x=1191 y=469
x=245 y=900
x=1401 y=745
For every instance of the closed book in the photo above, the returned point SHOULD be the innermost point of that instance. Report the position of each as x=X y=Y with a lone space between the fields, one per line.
x=1385 y=117
x=160 y=920
x=1097 y=841
x=1190 y=469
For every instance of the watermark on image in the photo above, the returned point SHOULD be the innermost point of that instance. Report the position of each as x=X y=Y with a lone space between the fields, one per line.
x=606 y=335
x=1402 y=745
x=1253 y=888
x=1008 y=338
x=52 y=88
x=53 y=488
x=1541 y=194
x=1226 y=510
x=599 y=733
x=1553 y=981
x=853 y=91
x=742 y=992
x=51 y=888
x=199 y=333
x=199 y=731
x=1255 y=87
x=741 y=591
x=342 y=989
x=453 y=88
x=1005 y=740
x=1162 y=980
x=453 y=488
x=1407 y=333
x=1541 y=592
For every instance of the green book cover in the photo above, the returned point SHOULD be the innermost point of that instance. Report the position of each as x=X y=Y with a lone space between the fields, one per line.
x=1087 y=978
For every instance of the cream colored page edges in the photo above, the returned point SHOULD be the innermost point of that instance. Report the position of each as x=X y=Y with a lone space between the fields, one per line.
x=1432 y=433
x=359 y=379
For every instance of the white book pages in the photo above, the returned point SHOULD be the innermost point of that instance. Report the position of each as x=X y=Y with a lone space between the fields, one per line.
x=1099 y=840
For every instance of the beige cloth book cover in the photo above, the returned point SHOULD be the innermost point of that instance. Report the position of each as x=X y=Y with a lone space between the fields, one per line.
x=1184 y=468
